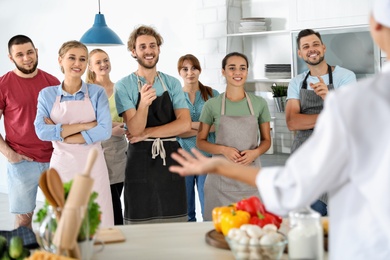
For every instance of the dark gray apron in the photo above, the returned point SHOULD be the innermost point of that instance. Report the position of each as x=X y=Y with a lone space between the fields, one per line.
x=241 y=132
x=152 y=193
x=311 y=103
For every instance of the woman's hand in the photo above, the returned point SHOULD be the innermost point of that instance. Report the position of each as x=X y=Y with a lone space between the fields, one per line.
x=118 y=130
x=48 y=121
x=247 y=157
x=231 y=153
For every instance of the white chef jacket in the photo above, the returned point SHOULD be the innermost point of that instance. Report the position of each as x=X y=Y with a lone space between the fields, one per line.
x=348 y=156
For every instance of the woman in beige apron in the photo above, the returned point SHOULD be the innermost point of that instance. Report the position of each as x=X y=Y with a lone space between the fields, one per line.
x=99 y=68
x=237 y=135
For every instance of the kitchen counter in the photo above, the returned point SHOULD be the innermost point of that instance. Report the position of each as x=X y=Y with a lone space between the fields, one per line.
x=166 y=241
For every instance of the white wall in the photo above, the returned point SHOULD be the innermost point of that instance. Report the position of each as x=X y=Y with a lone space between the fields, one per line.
x=49 y=23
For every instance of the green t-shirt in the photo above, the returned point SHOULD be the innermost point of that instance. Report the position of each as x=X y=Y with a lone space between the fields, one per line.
x=211 y=111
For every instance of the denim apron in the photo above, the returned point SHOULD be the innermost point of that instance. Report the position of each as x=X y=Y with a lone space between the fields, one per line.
x=311 y=103
x=152 y=193
x=70 y=159
x=242 y=133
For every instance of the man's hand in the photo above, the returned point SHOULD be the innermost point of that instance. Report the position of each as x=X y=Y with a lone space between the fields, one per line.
x=148 y=95
x=14 y=157
x=320 y=88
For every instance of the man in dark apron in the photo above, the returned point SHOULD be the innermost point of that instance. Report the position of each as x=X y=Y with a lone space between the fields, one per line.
x=155 y=111
x=307 y=91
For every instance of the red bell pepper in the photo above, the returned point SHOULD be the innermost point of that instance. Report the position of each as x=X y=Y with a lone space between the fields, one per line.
x=253 y=205
x=263 y=219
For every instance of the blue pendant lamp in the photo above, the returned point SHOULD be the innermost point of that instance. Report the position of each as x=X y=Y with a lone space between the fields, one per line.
x=100 y=34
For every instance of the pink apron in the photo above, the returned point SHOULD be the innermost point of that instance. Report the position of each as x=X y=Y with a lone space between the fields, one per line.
x=70 y=159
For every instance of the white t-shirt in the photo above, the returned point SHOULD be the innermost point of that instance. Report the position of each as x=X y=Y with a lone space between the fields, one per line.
x=348 y=156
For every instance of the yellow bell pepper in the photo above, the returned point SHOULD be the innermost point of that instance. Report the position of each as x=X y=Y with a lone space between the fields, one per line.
x=216 y=215
x=233 y=219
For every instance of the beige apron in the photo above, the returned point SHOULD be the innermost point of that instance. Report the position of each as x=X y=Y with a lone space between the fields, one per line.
x=115 y=153
x=241 y=132
x=70 y=159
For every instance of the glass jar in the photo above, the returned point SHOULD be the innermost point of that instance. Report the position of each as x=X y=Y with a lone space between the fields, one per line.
x=305 y=237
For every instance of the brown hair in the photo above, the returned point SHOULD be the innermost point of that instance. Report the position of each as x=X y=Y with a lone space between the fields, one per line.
x=205 y=91
x=91 y=75
x=143 y=30
x=307 y=32
x=234 y=54
x=66 y=46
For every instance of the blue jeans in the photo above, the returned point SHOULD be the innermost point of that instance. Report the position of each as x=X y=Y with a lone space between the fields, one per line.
x=320 y=207
x=190 y=188
x=23 y=178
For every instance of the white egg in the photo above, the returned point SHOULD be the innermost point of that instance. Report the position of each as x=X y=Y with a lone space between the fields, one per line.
x=254 y=241
x=254 y=231
x=270 y=228
x=269 y=239
x=232 y=233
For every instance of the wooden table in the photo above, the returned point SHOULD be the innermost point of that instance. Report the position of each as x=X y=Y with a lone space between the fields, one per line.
x=182 y=241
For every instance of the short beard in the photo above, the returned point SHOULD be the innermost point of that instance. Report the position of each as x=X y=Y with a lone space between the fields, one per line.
x=140 y=62
x=315 y=63
x=24 y=71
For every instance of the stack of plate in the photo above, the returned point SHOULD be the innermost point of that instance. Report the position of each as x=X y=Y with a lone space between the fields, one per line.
x=278 y=71
x=252 y=24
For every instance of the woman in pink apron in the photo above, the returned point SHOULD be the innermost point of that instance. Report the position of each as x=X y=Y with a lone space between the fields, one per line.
x=242 y=133
x=75 y=116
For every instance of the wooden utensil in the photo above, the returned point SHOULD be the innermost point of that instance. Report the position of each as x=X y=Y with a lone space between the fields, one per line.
x=56 y=187
x=45 y=189
x=79 y=194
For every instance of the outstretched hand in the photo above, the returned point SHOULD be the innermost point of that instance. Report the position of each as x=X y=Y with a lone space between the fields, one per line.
x=192 y=165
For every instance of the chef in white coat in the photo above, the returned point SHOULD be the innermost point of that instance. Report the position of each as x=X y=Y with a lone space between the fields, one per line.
x=346 y=156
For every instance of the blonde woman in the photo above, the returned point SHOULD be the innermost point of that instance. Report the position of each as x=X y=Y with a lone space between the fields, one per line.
x=99 y=68
x=75 y=116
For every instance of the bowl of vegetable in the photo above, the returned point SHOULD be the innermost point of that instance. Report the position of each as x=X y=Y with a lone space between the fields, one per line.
x=253 y=242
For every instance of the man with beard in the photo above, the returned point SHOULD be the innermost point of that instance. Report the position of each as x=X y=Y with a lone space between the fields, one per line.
x=27 y=155
x=307 y=91
x=155 y=111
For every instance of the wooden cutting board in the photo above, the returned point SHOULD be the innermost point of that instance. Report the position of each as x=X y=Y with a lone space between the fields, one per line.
x=109 y=235
x=216 y=239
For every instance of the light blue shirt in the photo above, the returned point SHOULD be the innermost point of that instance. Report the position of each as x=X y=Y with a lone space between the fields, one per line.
x=126 y=91
x=195 y=111
x=341 y=77
x=99 y=100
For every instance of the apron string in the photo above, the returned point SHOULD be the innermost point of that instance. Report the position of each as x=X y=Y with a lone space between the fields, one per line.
x=158 y=147
x=247 y=99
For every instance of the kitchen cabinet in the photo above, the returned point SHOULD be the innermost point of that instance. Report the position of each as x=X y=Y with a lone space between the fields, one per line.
x=267 y=47
x=331 y=13
x=275 y=45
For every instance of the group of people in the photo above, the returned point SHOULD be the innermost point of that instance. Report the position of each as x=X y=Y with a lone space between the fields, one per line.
x=64 y=120
x=139 y=123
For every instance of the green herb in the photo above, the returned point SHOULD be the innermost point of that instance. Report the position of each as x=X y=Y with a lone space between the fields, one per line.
x=279 y=90
x=94 y=213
